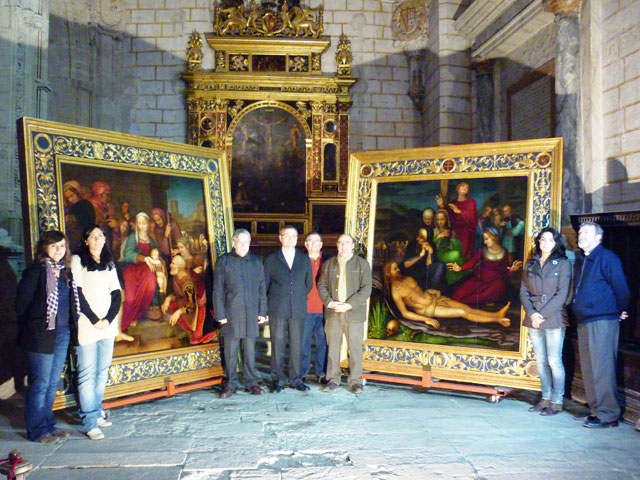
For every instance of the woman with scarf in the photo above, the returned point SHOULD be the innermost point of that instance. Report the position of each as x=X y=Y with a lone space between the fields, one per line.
x=47 y=306
x=100 y=300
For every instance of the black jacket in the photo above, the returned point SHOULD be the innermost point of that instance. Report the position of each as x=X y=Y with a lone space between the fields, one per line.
x=287 y=288
x=239 y=294
x=31 y=310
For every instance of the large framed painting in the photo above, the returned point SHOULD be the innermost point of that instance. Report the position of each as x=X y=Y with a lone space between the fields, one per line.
x=447 y=230
x=154 y=200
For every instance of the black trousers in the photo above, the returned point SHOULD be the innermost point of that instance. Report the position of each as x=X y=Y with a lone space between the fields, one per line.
x=283 y=329
x=249 y=372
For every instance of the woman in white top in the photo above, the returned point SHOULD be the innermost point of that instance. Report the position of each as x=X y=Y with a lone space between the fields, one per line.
x=95 y=274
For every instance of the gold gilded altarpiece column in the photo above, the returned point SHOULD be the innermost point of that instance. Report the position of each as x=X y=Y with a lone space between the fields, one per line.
x=283 y=124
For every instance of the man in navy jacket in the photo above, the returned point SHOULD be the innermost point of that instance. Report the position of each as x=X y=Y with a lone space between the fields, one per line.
x=288 y=279
x=599 y=303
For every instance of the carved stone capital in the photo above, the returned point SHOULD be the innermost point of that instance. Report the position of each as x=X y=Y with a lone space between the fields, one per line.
x=562 y=7
x=483 y=67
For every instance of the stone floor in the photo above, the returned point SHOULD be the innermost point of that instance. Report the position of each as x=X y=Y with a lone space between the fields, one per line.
x=388 y=432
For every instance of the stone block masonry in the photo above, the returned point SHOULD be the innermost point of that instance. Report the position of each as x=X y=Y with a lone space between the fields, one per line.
x=160 y=30
x=621 y=105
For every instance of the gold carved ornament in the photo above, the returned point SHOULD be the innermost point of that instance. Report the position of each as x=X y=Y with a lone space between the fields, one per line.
x=194 y=53
x=259 y=21
x=343 y=56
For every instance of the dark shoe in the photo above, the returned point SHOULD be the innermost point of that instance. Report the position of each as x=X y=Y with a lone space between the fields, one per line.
x=323 y=380
x=597 y=423
x=329 y=387
x=276 y=388
x=301 y=387
x=356 y=388
x=255 y=390
x=60 y=434
x=554 y=409
x=226 y=393
x=581 y=417
x=541 y=405
x=48 y=439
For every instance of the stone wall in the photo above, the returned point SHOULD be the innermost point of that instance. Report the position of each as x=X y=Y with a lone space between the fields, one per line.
x=24 y=30
x=89 y=84
x=516 y=68
x=447 y=117
x=454 y=103
x=620 y=57
x=382 y=115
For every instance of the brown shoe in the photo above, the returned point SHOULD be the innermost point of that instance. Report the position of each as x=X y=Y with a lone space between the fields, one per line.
x=552 y=409
x=329 y=387
x=356 y=389
x=48 y=439
x=226 y=393
x=542 y=404
x=255 y=390
x=60 y=434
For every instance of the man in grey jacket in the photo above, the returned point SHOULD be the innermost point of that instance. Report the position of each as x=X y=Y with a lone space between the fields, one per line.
x=240 y=304
x=345 y=287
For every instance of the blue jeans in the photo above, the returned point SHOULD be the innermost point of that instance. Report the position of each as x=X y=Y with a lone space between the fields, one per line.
x=93 y=369
x=44 y=370
x=547 y=345
x=314 y=329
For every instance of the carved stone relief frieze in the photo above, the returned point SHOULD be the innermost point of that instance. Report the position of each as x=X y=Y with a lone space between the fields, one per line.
x=409 y=24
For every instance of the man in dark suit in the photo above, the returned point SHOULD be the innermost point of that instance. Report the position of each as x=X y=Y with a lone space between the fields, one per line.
x=288 y=279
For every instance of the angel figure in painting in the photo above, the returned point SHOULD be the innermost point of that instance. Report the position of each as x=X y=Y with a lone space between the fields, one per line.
x=419 y=305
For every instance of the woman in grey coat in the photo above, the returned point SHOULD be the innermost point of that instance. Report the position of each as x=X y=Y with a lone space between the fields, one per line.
x=543 y=293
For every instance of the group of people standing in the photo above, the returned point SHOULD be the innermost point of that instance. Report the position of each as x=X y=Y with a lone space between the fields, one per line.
x=599 y=301
x=63 y=299
x=291 y=289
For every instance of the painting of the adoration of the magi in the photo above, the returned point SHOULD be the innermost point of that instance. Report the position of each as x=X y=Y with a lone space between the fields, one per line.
x=156 y=228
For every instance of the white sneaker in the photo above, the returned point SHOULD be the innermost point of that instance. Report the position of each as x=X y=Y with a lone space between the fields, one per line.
x=103 y=422
x=95 y=434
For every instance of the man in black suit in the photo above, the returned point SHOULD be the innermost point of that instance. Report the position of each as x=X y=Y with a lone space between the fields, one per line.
x=288 y=279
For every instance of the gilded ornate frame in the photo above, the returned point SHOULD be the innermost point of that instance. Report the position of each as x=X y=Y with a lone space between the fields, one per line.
x=44 y=145
x=540 y=161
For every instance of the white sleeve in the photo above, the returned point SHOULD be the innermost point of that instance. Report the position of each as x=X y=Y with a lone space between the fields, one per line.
x=77 y=271
x=114 y=282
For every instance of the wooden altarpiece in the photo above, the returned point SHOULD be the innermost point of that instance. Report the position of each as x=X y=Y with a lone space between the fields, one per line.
x=282 y=123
